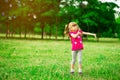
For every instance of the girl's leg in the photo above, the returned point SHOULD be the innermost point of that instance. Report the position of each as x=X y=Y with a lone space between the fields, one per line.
x=80 y=61
x=74 y=54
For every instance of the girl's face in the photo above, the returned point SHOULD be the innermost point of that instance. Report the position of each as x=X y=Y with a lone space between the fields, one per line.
x=73 y=26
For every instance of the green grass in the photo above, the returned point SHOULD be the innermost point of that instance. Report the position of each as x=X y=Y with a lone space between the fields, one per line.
x=50 y=60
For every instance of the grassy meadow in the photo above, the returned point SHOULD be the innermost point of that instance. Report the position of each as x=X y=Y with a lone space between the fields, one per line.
x=50 y=60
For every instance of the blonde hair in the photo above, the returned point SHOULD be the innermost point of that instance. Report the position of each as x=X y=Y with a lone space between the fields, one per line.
x=66 y=31
x=68 y=26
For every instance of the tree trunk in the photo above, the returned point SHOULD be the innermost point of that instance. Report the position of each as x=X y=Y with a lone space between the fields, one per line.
x=98 y=34
x=42 y=33
x=25 y=32
x=56 y=29
x=20 y=32
x=50 y=33
x=7 y=31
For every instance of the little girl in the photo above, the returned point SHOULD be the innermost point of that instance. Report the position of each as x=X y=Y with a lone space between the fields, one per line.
x=75 y=34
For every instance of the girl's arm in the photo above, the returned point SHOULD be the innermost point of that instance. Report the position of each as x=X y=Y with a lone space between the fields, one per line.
x=87 y=33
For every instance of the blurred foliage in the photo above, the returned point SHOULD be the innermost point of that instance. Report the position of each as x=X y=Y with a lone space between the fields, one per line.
x=52 y=15
x=118 y=28
x=37 y=28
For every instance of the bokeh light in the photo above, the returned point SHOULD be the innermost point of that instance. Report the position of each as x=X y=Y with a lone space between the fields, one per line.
x=23 y=4
x=31 y=0
x=6 y=1
x=34 y=16
x=10 y=5
x=85 y=2
x=14 y=17
x=9 y=18
x=19 y=3
x=3 y=13
x=28 y=14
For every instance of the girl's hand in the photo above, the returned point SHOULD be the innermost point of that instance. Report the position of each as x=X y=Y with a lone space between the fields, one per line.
x=79 y=33
x=95 y=36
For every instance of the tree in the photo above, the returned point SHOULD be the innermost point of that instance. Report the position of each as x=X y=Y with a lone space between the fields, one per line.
x=95 y=17
x=22 y=16
x=117 y=30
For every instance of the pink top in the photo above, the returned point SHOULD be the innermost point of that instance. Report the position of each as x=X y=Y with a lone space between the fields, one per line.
x=77 y=43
